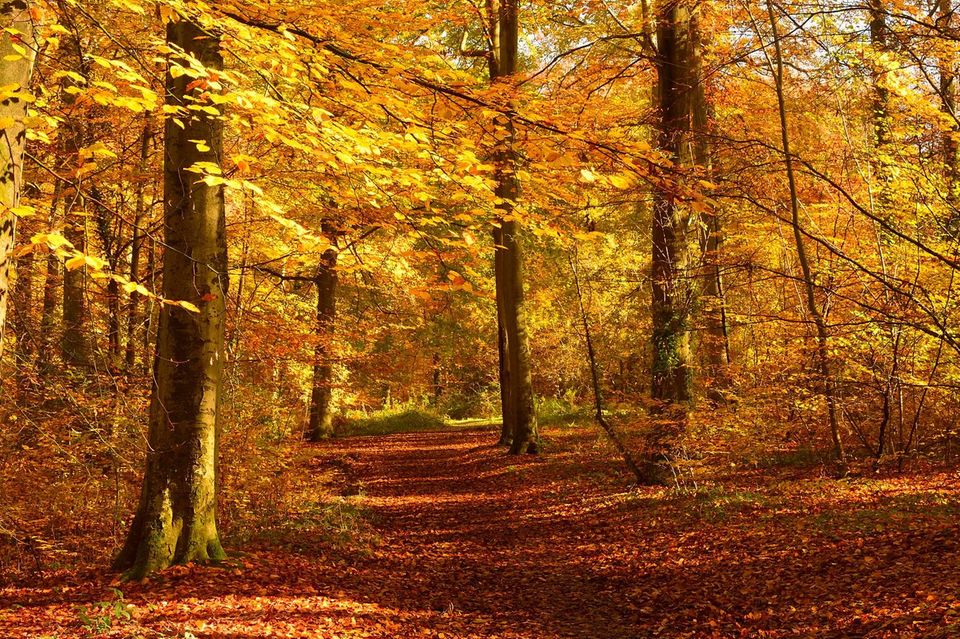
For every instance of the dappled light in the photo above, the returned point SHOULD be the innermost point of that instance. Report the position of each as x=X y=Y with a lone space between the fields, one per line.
x=479 y=319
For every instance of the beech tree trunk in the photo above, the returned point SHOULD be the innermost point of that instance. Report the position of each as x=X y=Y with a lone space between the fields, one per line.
x=672 y=293
x=508 y=421
x=51 y=288
x=519 y=411
x=321 y=396
x=437 y=379
x=717 y=344
x=176 y=521
x=16 y=68
x=134 y=317
x=948 y=96
x=881 y=160
x=75 y=342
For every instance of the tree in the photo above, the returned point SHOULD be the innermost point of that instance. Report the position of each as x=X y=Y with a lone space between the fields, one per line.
x=176 y=520
x=672 y=294
x=16 y=68
x=716 y=346
x=135 y=318
x=76 y=342
x=321 y=395
x=518 y=408
x=823 y=336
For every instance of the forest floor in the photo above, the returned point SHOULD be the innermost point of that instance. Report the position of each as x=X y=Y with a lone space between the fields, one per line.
x=458 y=540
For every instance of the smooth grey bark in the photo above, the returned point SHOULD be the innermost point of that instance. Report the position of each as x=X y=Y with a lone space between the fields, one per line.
x=176 y=521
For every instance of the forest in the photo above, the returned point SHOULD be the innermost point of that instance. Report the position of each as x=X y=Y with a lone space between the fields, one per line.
x=476 y=319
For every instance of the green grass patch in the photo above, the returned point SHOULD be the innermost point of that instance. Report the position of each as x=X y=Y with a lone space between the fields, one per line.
x=341 y=523
x=402 y=420
x=715 y=504
x=898 y=512
x=560 y=412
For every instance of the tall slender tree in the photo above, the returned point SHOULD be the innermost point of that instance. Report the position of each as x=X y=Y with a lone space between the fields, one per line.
x=176 y=521
x=820 y=322
x=945 y=21
x=17 y=53
x=716 y=346
x=518 y=407
x=135 y=318
x=76 y=346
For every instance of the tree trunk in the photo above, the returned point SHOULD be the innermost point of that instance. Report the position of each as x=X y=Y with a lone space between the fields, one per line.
x=176 y=519
x=508 y=419
x=717 y=345
x=437 y=379
x=113 y=324
x=16 y=68
x=948 y=97
x=510 y=295
x=51 y=284
x=150 y=314
x=75 y=343
x=134 y=317
x=672 y=287
x=321 y=397
x=881 y=113
x=672 y=293
x=110 y=230
x=823 y=346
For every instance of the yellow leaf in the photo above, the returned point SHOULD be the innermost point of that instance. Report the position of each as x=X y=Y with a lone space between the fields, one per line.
x=75 y=262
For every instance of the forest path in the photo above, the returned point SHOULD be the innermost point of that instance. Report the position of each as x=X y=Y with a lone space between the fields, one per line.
x=471 y=543
x=491 y=543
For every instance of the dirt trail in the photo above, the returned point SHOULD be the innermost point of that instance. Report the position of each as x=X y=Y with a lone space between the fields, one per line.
x=474 y=544
x=473 y=532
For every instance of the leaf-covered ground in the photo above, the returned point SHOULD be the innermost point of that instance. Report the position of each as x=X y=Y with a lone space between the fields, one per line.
x=463 y=541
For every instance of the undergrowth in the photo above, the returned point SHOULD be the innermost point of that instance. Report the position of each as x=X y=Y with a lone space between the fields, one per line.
x=403 y=419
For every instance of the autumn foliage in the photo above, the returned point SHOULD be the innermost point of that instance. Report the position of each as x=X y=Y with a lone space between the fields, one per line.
x=479 y=318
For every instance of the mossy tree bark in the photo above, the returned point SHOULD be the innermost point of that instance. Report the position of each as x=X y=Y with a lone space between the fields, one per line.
x=672 y=293
x=17 y=52
x=672 y=289
x=321 y=397
x=176 y=521
x=519 y=412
